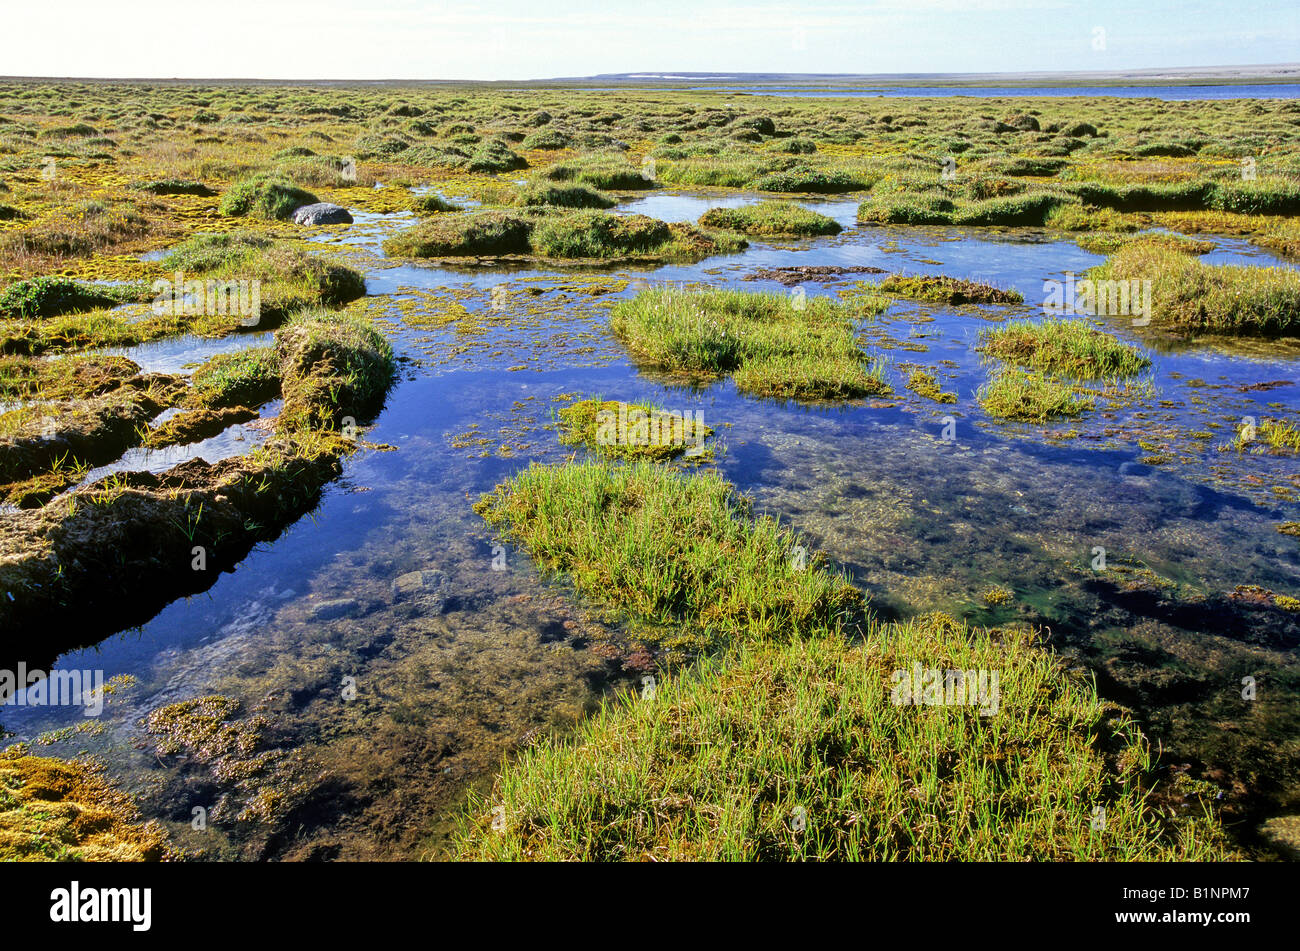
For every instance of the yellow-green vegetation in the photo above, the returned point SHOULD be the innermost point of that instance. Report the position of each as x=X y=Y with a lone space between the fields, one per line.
x=1072 y=348
x=772 y=345
x=52 y=810
x=998 y=595
x=242 y=280
x=947 y=290
x=247 y=378
x=1276 y=436
x=1030 y=396
x=680 y=558
x=924 y=384
x=633 y=430
x=771 y=219
x=1190 y=296
x=797 y=750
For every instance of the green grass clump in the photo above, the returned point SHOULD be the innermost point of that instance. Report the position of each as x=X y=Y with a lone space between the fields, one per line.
x=1031 y=397
x=333 y=367
x=544 y=194
x=1276 y=436
x=823 y=181
x=947 y=290
x=605 y=174
x=776 y=219
x=266 y=196
x=1070 y=348
x=485 y=233
x=907 y=210
x=432 y=204
x=924 y=384
x=247 y=378
x=798 y=751
x=632 y=430
x=680 y=558
x=597 y=234
x=51 y=296
x=773 y=345
x=493 y=157
x=290 y=277
x=1190 y=296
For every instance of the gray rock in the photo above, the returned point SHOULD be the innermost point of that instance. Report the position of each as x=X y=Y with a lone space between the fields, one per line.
x=321 y=213
x=329 y=610
x=428 y=588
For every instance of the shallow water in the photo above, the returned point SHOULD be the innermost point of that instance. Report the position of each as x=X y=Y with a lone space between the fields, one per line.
x=458 y=653
x=1206 y=91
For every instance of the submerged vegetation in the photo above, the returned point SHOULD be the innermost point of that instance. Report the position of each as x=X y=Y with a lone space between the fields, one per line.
x=633 y=430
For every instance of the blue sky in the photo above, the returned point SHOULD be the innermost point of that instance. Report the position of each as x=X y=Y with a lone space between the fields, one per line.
x=519 y=39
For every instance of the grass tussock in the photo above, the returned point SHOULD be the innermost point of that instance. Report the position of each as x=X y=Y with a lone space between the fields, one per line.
x=771 y=219
x=1030 y=397
x=1070 y=348
x=267 y=196
x=797 y=751
x=1190 y=296
x=772 y=345
x=681 y=558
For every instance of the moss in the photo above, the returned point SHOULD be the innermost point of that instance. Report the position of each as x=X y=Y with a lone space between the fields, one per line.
x=432 y=204
x=925 y=385
x=197 y=424
x=633 y=430
x=51 y=810
x=948 y=290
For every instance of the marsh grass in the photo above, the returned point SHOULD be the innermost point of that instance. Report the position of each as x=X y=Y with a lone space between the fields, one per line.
x=776 y=219
x=772 y=345
x=1276 y=436
x=1072 y=348
x=247 y=378
x=795 y=751
x=1190 y=296
x=1031 y=397
x=682 y=559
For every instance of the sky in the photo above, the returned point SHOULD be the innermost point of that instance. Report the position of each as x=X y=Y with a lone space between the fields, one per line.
x=537 y=39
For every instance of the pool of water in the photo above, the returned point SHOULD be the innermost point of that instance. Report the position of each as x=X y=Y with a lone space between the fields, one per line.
x=392 y=654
